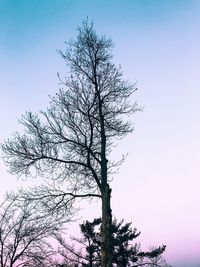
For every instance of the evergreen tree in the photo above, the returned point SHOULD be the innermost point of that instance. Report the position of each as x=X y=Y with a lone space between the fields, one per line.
x=125 y=252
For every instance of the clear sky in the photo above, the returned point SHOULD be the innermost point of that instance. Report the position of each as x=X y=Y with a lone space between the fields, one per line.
x=157 y=42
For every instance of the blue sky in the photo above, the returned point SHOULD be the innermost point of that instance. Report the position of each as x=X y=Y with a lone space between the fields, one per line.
x=157 y=43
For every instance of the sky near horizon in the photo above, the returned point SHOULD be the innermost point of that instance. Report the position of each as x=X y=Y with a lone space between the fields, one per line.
x=157 y=43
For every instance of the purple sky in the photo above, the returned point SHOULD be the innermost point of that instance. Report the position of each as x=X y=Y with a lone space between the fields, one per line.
x=157 y=42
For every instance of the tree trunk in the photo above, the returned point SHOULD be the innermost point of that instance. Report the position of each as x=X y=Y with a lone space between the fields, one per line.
x=106 y=247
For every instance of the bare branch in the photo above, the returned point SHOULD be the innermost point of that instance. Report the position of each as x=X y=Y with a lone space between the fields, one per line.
x=23 y=233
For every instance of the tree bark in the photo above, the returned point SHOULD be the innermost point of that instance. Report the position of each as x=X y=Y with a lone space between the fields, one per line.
x=106 y=247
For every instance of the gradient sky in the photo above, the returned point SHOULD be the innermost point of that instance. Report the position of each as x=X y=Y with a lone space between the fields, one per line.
x=157 y=43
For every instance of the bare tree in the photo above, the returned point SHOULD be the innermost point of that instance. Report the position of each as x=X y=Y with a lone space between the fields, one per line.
x=23 y=235
x=70 y=143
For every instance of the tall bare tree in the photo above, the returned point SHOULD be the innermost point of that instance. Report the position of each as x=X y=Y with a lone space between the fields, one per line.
x=24 y=234
x=70 y=143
